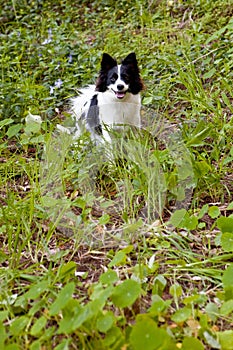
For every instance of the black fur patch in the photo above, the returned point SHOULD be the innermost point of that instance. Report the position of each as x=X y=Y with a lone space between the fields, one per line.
x=92 y=119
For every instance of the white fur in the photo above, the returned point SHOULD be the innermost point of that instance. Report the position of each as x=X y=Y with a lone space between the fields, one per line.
x=81 y=103
x=112 y=111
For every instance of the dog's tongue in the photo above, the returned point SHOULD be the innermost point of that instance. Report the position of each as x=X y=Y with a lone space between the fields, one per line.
x=120 y=94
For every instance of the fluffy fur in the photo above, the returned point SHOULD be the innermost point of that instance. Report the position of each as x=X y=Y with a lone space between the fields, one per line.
x=114 y=100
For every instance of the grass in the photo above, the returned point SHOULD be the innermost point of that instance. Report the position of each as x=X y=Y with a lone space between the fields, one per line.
x=141 y=258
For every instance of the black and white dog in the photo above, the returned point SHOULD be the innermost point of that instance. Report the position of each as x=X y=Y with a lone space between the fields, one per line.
x=113 y=101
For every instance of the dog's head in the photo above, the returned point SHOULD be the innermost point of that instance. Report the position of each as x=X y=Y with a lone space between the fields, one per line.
x=119 y=79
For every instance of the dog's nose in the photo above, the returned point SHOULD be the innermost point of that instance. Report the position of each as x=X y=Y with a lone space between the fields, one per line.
x=120 y=87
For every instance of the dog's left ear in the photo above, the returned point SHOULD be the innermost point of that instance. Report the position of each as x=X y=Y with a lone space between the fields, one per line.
x=130 y=59
x=132 y=63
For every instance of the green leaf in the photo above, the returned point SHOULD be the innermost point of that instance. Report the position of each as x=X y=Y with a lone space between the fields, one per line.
x=13 y=346
x=104 y=219
x=13 y=130
x=109 y=277
x=35 y=345
x=227 y=281
x=68 y=269
x=3 y=335
x=182 y=315
x=217 y=239
x=212 y=341
x=227 y=242
x=69 y=314
x=62 y=299
x=158 y=305
x=64 y=345
x=112 y=338
x=227 y=307
x=182 y=219
x=37 y=139
x=226 y=339
x=177 y=217
x=212 y=311
x=131 y=228
x=214 y=212
x=225 y=224
x=226 y=100
x=160 y=283
x=91 y=309
x=216 y=34
x=105 y=322
x=32 y=128
x=81 y=203
x=147 y=336
x=5 y=122
x=198 y=137
x=203 y=211
x=202 y=168
x=126 y=293
x=119 y=259
x=147 y=100
x=193 y=299
x=175 y=290
x=18 y=325
x=230 y=206
x=192 y=343
x=210 y=73
x=36 y=290
x=38 y=326
x=37 y=306
x=3 y=315
x=190 y=222
x=129 y=248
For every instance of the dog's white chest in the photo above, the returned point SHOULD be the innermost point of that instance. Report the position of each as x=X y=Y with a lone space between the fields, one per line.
x=119 y=112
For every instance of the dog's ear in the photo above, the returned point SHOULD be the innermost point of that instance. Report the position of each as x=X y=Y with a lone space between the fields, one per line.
x=108 y=62
x=132 y=65
x=130 y=59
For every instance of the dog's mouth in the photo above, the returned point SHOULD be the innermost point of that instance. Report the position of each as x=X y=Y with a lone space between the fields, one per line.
x=120 y=94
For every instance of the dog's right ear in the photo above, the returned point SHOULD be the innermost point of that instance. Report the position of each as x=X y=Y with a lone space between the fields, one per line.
x=130 y=59
x=108 y=62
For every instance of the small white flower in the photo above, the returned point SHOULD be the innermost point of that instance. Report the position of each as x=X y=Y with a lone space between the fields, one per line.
x=70 y=58
x=49 y=39
x=58 y=83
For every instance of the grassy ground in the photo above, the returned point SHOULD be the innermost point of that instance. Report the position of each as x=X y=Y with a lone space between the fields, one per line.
x=140 y=255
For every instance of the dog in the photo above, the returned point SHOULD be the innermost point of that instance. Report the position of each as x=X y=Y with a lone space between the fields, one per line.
x=114 y=101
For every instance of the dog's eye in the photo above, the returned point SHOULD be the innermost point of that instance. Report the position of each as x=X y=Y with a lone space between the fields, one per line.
x=113 y=80
x=125 y=78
